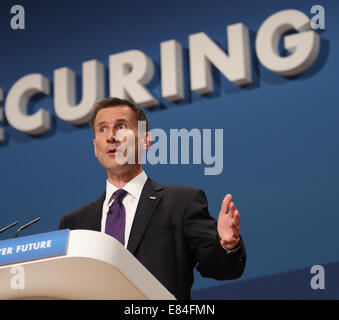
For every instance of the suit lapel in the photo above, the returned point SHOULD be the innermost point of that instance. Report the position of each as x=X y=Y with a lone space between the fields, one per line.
x=148 y=202
x=97 y=213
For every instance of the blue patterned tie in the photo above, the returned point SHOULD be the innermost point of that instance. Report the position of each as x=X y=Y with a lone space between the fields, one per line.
x=116 y=217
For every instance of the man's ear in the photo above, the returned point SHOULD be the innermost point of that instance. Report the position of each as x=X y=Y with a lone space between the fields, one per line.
x=95 y=147
x=147 y=140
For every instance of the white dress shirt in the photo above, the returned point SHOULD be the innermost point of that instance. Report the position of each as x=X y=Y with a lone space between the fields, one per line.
x=130 y=201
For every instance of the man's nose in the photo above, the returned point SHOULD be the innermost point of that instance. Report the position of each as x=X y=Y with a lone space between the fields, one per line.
x=112 y=137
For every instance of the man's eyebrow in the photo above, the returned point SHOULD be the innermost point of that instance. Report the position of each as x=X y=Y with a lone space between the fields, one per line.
x=101 y=123
x=121 y=120
x=117 y=120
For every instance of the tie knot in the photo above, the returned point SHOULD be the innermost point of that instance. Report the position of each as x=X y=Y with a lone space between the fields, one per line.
x=119 y=195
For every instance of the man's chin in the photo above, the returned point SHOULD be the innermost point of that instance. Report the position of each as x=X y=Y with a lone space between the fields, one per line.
x=118 y=166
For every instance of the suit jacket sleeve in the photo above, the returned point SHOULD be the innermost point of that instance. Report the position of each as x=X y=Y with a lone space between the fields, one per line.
x=62 y=224
x=201 y=233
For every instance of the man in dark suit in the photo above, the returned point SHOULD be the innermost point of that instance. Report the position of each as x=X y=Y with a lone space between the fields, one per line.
x=167 y=228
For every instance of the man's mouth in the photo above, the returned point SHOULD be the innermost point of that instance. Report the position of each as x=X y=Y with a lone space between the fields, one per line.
x=113 y=151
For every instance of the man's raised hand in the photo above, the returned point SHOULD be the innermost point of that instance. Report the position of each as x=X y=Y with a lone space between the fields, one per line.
x=229 y=224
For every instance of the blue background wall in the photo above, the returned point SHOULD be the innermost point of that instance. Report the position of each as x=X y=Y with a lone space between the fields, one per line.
x=281 y=135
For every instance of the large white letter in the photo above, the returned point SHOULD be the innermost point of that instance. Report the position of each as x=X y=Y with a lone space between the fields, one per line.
x=172 y=74
x=93 y=89
x=184 y=134
x=128 y=73
x=304 y=45
x=217 y=160
x=159 y=147
x=236 y=66
x=17 y=100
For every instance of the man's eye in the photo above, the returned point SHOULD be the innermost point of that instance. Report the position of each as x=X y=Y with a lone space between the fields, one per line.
x=121 y=126
x=102 y=129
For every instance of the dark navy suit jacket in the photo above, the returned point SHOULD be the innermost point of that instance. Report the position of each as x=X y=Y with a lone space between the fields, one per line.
x=172 y=232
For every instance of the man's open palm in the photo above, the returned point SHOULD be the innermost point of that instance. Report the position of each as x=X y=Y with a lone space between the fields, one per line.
x=229 y=224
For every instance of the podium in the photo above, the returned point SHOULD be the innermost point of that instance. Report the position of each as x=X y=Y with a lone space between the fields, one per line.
x=94 y=266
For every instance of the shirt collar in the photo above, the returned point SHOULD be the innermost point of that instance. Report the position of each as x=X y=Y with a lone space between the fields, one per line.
x=133 y=187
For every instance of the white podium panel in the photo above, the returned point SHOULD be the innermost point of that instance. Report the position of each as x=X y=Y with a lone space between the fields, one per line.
x=96 y=266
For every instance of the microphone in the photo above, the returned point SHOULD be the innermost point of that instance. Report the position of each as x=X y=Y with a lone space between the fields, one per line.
x=10 y=226
x=25 y=226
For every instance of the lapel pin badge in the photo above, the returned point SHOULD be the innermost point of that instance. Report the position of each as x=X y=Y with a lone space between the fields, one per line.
x=152 y=198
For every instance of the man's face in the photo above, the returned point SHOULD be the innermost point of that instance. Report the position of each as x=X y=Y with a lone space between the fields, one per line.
x=116 y=129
